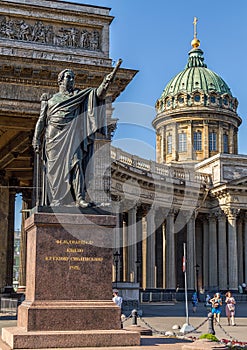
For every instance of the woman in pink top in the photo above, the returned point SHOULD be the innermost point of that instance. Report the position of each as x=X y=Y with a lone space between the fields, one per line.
x=230 y=308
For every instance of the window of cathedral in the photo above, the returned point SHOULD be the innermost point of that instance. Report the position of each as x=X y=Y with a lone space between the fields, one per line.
x=225 y=101
x=169 y=144
x=225 y=143
x=180 y=99
x=168 y=103
x=182 y=142
x=197 y=144
x=212 y=141
x=212 y=99
x=197 y=98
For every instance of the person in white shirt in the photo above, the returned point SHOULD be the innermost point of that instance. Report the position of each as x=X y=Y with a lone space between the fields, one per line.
x=116 y=298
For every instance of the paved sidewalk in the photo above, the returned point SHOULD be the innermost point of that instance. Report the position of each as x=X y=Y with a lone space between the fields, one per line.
x=162 y=317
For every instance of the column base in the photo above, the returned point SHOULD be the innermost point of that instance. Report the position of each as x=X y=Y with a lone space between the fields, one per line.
x=19 y=338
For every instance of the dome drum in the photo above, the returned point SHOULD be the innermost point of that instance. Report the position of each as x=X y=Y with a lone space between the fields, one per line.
x=197 y=98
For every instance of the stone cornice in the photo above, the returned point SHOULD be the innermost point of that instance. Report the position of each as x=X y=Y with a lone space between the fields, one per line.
x=164 y=119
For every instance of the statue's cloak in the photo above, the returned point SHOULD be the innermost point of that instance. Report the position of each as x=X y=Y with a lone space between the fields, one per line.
x=71 y=125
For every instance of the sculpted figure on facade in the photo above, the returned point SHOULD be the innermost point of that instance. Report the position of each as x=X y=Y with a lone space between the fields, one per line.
x=69 y=120
x=39 y=32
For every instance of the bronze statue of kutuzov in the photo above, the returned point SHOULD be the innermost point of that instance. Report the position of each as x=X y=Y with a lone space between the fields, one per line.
x=64 y=135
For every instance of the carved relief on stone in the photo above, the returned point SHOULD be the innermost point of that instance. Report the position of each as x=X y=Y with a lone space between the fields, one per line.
x=47 y=34
x=231 y=212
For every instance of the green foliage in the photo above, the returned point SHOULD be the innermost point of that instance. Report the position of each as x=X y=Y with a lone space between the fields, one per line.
x=208 y=336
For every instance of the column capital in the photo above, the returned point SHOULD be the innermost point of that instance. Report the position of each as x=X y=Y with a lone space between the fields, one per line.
x=231 y=213
x=220 y=214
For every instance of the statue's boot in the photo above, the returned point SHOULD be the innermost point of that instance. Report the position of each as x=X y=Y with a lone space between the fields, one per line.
x=82 y=203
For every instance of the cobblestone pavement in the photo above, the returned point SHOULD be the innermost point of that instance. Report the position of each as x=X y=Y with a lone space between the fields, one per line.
x=162 y=317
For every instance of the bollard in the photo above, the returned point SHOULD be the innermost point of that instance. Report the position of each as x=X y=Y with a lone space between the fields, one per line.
x=134 y=315
x=211 y=323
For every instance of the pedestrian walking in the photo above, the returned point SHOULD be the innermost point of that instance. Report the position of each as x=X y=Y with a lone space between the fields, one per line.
x=216 y=302
x=230 y=308
x=208 y=305
x=116 y=298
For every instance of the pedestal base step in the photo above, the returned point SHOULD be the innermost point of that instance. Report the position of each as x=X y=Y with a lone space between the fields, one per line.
x=18 y=338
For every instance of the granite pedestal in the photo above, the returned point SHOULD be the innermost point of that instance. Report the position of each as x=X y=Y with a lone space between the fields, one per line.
x=69 y=288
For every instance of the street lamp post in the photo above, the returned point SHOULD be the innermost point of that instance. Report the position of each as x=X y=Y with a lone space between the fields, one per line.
x=138 y=275
x=116 y=256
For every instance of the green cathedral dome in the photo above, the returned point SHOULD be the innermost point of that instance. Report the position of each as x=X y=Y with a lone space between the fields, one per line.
x=196 y=77
x=196 y=86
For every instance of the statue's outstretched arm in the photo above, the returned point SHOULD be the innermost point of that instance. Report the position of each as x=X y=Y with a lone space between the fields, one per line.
x=40 y=125
x=108 y=79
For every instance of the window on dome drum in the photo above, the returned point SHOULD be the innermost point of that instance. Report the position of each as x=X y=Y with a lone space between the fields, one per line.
x=225 y=101
x=212 y=99
x=181 y=99
x=225 y=143
x=197 y=98
x=168 y=103
x=197 y=141
x=212 y=141
x=169 y=144
x=182 y=142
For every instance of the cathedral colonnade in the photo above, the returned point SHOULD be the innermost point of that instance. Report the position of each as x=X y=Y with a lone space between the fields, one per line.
x=151 y=248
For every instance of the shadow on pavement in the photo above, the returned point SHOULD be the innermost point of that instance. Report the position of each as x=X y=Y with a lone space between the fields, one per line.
x=158 y=341
x=8 y=317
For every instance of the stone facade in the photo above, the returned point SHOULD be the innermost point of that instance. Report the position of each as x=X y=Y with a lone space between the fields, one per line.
x=37 y=41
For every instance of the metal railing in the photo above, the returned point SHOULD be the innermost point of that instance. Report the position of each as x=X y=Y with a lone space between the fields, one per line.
x=9 y=306
x=150 y=297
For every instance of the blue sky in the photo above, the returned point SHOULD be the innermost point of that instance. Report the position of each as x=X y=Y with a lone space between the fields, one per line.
x=154 y=37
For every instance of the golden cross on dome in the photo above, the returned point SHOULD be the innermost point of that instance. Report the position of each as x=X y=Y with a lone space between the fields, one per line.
x=195 y=23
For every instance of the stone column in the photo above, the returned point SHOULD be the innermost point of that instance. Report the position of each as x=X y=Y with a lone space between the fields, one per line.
x=232 y=248
x=221 y=145
x=159 y=255
x=170 y=252
x=158 y=146
x=144 y=252
x=174 y=142
x=164 y=254
x=132 y=240
x=206 y=139
x=4 y=210
x=151 y=249
x=139 y=262
x=125 y=250
x=190 y=141
x=222 y=251
x=240 y=251
x=191 y=258
x=10 y=237
x=26 y=204
x=162 y=146
x=213 y=258
x=231 y=139
x=245 y=245
x=205 y=253
x=118 y=240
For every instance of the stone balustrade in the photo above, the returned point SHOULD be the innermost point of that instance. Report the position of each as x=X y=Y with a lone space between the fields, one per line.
x=177 y=172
